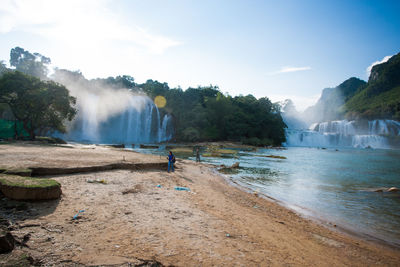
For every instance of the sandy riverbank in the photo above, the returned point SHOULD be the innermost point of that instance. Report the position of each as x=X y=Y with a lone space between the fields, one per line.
x=214 y=224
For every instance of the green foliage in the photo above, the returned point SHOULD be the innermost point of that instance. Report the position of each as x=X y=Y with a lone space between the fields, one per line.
x=205 y=114
x=202 y=113
x=33 y=64
x=349 y=87
x=42 y=106
x=3 y=109
x=19 y=181
x=124 y=81
x=254 y=141
x=191 y=134
x=380 y=97
x=3 y=67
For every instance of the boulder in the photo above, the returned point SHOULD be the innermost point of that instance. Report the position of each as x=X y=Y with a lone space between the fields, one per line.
x=393 y=189
x=26 y=188
x=31 y=193
x=20 y=172
x=235 y=165
x=7 y=241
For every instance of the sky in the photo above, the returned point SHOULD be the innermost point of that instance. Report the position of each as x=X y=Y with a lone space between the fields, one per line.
x=278 y=49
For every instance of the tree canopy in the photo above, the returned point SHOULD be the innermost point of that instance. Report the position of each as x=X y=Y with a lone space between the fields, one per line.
x=3 y=67
x=206 y=114
x=199 y=114
x=33 y=64
x=42 y=106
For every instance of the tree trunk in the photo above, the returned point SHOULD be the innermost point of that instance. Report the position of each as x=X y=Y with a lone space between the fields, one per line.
x=31 y=133
x=15 y=129
x=29 y=129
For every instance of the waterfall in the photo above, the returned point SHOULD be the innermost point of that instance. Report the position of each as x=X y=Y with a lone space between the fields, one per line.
x=166 y=132
x=139 y=122
x=343 y=133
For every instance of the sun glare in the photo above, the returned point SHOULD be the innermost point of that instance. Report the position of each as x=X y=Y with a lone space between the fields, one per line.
x=160 y=101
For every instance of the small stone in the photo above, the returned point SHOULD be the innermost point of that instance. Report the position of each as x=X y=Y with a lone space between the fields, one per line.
x=235 y=165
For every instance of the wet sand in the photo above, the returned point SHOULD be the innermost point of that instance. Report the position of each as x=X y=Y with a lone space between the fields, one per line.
x=131 y=220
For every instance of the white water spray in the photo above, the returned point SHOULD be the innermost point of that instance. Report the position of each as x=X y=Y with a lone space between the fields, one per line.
x=343 y=133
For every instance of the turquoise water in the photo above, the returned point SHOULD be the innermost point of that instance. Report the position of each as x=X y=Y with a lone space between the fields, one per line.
x=336 y=186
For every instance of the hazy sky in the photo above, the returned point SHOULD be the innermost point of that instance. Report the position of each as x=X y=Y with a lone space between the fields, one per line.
x=278 y=49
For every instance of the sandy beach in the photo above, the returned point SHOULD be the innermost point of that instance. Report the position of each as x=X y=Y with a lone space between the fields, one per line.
x=137 y=217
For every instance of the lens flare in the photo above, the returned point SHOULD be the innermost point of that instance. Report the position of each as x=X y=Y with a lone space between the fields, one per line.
x=160 y=101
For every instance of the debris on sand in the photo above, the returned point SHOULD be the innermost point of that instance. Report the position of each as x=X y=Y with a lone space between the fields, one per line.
x=97 y=181
x=136 y=189
x=76 y=216
x=179 y=188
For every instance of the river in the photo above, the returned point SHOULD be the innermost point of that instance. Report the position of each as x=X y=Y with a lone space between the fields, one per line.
x=335 y=185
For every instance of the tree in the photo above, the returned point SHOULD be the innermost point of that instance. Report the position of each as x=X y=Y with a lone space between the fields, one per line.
x=204 y=113
x=3 y=67
x=33 y=64
x=42 y=106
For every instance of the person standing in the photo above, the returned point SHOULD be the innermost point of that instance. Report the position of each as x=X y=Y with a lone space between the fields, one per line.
x=171 y=161
x=197 y=154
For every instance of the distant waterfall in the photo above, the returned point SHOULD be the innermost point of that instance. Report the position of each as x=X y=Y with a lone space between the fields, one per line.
x=361 y=134
x=167 y=131
x=140 y=122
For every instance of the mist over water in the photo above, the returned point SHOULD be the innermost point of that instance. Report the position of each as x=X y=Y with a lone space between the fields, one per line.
x=112 y=115
x=322 y=125
x=358 y=134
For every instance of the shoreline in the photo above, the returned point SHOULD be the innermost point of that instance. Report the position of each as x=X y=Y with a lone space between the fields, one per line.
x=314 y=217
x=216 y=223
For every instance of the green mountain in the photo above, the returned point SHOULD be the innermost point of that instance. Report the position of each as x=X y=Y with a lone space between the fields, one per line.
x=380 y=97
x=329 y=105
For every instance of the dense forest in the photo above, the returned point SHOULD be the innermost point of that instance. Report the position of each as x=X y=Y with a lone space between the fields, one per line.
x=205 y=113
x=199 y=114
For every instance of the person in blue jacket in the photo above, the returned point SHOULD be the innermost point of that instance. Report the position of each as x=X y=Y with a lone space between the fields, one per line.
x=171 y=161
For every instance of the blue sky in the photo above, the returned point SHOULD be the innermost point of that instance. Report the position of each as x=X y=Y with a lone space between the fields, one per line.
x=278 y=49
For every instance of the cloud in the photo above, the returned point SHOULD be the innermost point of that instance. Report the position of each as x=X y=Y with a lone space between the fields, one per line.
x=290 y=69
x=368 y=70
x=75 y=23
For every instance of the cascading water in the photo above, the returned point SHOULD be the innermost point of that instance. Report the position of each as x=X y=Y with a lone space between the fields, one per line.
x=166 y=132
x=139 y=122
x=360 y=134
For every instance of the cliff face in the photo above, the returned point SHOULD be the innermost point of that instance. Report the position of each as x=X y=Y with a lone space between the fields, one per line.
x=329 y=105
x=356 y=99
x=380 y=97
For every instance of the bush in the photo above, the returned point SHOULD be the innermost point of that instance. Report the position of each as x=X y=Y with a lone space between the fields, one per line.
x=191 y=134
